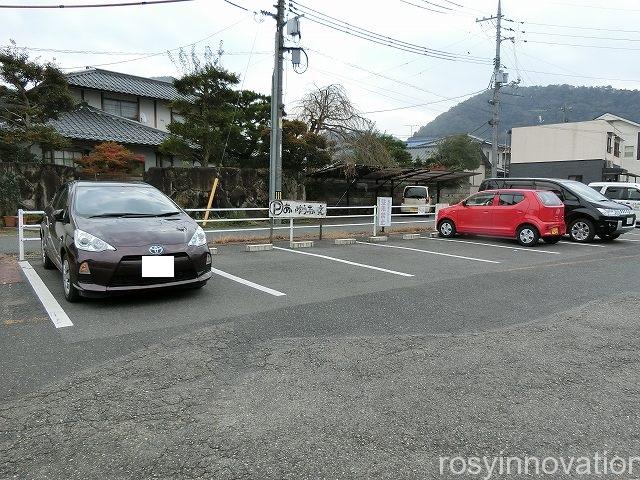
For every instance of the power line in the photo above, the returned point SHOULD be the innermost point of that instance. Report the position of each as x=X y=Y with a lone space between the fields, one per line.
x=96 y=5
x=582 y=36
x=423 y=7
x=161 y=52
x=427 y=103
x=576 y=27
x=350 y=29
x=606 y=47
x=353 y=65
x=111 y=53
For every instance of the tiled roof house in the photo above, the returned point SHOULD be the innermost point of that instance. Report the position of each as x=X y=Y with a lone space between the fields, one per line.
x=131 y=110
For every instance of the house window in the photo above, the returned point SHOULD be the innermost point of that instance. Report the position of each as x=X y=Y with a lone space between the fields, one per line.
x=122 y=108
x=616 y=146
x=65 y=157
x=629 y=151
x=609 y=142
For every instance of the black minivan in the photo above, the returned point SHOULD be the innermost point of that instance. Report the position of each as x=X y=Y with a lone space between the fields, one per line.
x=587 y=212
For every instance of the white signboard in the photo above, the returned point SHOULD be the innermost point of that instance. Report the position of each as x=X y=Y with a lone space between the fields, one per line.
x=294 y=209
x=384 y=211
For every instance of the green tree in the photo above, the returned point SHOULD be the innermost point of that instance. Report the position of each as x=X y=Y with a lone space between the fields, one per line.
x=215 y=124
x=397 y=149
x=31 y=94
x=302 y=150
x=458 y=152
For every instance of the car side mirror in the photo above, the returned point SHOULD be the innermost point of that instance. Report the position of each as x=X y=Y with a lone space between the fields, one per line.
x=58 y=214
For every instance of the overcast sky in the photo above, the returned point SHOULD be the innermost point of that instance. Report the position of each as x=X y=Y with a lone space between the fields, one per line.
x=602 y=43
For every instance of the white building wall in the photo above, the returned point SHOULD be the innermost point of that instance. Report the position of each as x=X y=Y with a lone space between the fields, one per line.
x=629 y=147
x=147 y=112
x=562 y=141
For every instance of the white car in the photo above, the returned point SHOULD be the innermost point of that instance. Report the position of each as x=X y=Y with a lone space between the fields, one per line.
x=416 y=199
x=626 y=193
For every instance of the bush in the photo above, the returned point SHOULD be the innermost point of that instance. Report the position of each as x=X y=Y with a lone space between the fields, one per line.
x=9 y=193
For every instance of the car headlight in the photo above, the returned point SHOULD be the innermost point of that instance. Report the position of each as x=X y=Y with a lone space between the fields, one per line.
x=609 y=212
x=199 y=238
x=89 y=243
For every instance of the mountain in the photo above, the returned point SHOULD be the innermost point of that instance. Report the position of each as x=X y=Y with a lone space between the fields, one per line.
x=533 y=106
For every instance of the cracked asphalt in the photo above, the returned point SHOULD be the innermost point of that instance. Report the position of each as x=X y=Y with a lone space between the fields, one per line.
x=354 y=374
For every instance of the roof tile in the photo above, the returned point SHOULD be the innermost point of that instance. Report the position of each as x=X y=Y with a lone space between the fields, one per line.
x=88 y=123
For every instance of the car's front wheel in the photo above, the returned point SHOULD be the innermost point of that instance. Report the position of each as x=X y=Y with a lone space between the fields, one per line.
x=46 y=261
x=70 y=292
x=528 y=235
x=446 y=229
x=582 y=230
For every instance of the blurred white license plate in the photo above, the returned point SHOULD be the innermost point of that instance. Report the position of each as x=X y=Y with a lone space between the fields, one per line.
x=630 y=221
x=157 y=266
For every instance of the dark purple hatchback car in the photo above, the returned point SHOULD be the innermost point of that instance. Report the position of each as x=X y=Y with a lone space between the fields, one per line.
x=109 y=237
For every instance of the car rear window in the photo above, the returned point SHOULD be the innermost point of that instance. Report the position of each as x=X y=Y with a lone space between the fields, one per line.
x=549 y=199
x=415 y=192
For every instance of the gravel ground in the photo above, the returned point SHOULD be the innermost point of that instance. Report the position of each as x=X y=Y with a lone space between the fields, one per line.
x=218 y=403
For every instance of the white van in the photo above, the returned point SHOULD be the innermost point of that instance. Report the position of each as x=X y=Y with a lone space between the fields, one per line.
x=416 y=199
x=621 y=192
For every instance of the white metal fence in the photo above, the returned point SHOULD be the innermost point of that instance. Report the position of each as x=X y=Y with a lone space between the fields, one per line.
x=22 y=226
x=268 y=224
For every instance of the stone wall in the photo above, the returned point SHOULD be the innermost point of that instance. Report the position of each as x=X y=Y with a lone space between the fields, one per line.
x=38 y=181
x=237 y=187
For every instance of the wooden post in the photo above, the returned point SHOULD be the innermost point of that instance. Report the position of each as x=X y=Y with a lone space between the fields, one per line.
x=210 y=202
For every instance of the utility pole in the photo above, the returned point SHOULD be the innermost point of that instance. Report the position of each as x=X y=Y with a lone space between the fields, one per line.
x=275 y=149
x=499 y=77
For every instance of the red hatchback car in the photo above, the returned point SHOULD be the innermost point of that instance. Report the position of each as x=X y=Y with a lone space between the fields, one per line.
x=526 y=215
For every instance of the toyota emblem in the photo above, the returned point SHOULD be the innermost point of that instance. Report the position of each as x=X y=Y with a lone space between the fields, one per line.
x=156 y=249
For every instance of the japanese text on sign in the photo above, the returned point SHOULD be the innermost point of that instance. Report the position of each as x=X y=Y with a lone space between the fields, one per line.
x=293 y=209
x=384 y=211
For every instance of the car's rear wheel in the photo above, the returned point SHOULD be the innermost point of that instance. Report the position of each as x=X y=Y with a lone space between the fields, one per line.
x=528 y=235
x=551 y=240
x=446 y=229
x=46 y=261
x=609 y=237
x=582 y=230
x=70 y=292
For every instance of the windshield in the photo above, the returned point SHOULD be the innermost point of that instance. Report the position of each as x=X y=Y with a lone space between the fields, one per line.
x=585 y=192
x=116 y=201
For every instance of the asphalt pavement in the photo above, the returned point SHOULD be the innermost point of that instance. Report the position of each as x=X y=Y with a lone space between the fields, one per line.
x=359 y=361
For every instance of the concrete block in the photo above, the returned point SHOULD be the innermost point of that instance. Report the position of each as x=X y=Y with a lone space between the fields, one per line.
x=344 y=241
x=213 y=250
x=433 y=234
x=301 y=244
x=410 y=236
x=260 y=247
x=379 y=238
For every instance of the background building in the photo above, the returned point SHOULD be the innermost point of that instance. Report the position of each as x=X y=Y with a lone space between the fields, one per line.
x=127 y=109
x=602 y=149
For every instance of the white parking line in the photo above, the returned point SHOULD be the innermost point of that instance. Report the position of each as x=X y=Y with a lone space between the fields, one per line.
x=532 y=250
x=627 y=240
x=577 y=244
x=340 y=260
x=248 y=283
x=430 y=252
x=57 y=315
